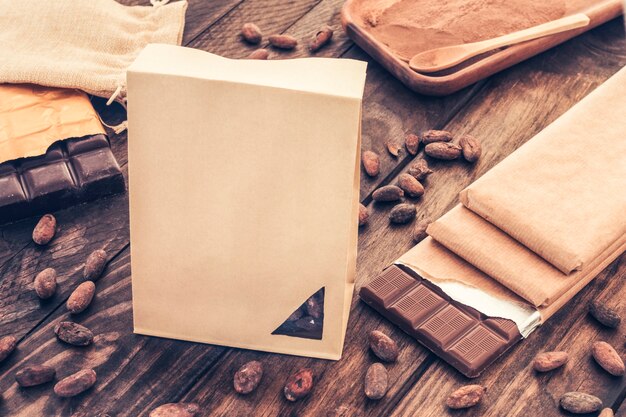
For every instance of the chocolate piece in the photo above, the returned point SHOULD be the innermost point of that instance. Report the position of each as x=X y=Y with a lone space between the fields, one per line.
x=307 y=321
x=462 y=336
x=71 y=171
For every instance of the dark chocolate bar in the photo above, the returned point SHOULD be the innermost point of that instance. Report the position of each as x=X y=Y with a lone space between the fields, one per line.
x=462 y=336
x=71 y=171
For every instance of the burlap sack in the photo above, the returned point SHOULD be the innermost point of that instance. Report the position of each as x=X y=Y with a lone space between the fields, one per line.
x=86 y=44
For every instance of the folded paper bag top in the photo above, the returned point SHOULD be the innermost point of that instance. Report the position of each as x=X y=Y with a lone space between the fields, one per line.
x=562 y=193
x=243 y=180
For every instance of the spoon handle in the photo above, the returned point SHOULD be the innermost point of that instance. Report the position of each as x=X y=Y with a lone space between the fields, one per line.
x=556 y=26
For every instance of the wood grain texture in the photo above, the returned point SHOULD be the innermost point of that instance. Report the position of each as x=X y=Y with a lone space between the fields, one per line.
x=137 y=373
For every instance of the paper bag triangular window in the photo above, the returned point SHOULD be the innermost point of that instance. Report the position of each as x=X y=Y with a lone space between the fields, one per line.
x=307 y=320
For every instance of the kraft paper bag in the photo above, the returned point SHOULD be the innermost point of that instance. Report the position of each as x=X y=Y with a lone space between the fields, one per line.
x=244 y=184
x=33 y=117
x=562 y=194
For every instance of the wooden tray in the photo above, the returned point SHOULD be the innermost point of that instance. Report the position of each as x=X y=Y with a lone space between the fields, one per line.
x=357 y=29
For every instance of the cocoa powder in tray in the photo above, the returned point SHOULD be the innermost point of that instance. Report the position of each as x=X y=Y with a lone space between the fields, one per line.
x=412 y=26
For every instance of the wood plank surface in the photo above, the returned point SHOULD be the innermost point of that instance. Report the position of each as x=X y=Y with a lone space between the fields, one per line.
x=137 y=373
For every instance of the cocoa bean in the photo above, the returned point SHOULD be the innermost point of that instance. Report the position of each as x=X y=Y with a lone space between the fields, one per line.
x=388 y=193
x=580 y=403
x=251 y=33
x=604 y=314
x=394 y=148
x=299 y=385
x=307 y=323
x=286 y=42
x=81 y=297
x=45 y=229
x=376 y=381
x=76 y=383
x=443 y=150
x=411 y=143
x=608 y=358
x=321 y=38
x=45 y=283
x=73 y=333
x=95 y=264
x=259 y=54
x=30 y=376
x=431 y=136
x=384 y=347
x=7 y=346
x=465 y=397
x=410 y=185
x=607 y=412
x=420 y=170
x=363 y=215
x=471 y=148
x=548 y=361
x=419 y=233
x=371 y=163
x=296 y=315
x=248 y=377
x=175 y=410
x=314 y=307
x=402 y=213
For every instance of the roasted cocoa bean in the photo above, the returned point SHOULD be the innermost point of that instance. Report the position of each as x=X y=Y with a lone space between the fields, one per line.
x=45 y=229
x=376 y=381
x=45 y=283
x=30 y=376
x=607 y=412
x=443 y=150
x=175 y=410
x=259 y=54
x=299 y=385
x=81 y=297
x=286 y=42
x=248 y=377
x=431 y=136
x=608 y=358
x=296 y=315
x=308 y=323
x=402 y=213
x=580 y=403
x=393 y=148
x=388 y=193
x=76 y=383
x=364 y=215
x=604 y=314
x=73 y=333
x=321 y=38
x=251 y=33
x=95 y=264
x=371 y=163
x=7 y=346
x=465 y=397
x=419 y=233
x=410 y=185
x=548 y=361
x=420 y=170
x=411 y=143
x=384 y=347
x=471 y=148
x=314 y=307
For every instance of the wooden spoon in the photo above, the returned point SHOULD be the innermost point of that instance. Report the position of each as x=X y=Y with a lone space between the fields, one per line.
x=443 y=58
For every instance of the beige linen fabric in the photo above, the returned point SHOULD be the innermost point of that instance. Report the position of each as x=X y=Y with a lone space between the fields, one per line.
x=86 y=44
x=506 y=260
x=563 y=194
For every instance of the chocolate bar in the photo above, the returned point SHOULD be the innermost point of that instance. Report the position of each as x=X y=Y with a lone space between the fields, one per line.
x=462 y=336
x=71 y=171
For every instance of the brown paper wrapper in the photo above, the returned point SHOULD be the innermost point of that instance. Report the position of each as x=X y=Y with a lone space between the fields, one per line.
x=562 y=194
x=33 y=117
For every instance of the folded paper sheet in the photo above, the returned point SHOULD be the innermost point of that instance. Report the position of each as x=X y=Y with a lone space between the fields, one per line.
x=33 y=117
x=243 y=196
x=562 y=194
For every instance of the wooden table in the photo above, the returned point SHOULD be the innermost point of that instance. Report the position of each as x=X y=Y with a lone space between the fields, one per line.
x=137 y=373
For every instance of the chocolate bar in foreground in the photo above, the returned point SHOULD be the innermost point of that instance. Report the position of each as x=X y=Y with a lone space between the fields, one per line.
x=70 y=172
x=462 y=336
